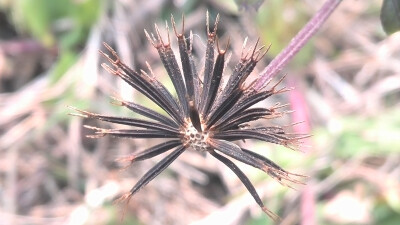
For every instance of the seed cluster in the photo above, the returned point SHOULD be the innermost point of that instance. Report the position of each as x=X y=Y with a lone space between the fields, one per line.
x=206 y=116
x=197 y=140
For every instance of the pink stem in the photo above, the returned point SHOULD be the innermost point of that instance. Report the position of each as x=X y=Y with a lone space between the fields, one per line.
x=297 y=43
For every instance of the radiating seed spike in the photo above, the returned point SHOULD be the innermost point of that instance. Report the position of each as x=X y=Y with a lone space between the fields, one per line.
x=109 y=48
x=125 y=208
x=260 y=48
x=246 y=102
x=217 y=40
x=149 y=152
x=144 y=73
x=149 y=113
x=216 y=24
x=243 y=178
x=174 y=26
x=256 y=55
x=295 y=182
x=274 y=170
x=109 y=69
x=117 y=60
x=156 y=92
x=85 y=114
x=243 y=48
x=149 y=68
x=104 y=55
x=112 y=61
x=260 y=56
x=183 y=25
x=116 y=103
x=149 y=38
x=155 y=39
x=190 y=41
x=297 y=123
x=269 y=46
x=272 y=215
x=78 y=115
x=140 y=133
x=186 y=62
x=263 y=54
x=246 y=56
x=151 y=174
x=277 y=83
x=284 y=89
x=248 y=115
x=249 y=88
x=303 y=137
x=282 y=78
x=298 y=175
x=215 y=80
x=265 y=85
x=289 y=111
x=72 y=107
x=93 y=128
x=224 y=107
x=214 y=32
x=169 y=61
x=131 y=122
x=278 y=105
x=160 y=40
x=255 y=47
x=208 y=23
x=208 y=68
x=289 y=186
x=227 y=44
x=167 y=28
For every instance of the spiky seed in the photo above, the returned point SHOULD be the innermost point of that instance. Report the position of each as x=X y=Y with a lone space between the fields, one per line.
x=205 y=118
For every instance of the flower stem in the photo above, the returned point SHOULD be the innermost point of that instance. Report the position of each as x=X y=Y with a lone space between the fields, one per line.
x=297 y=43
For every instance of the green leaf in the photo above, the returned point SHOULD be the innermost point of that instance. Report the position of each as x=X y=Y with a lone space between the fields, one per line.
x=390 y=16
x=375 y=135
x=38 y=16
x=66 y=60
x=384 y=215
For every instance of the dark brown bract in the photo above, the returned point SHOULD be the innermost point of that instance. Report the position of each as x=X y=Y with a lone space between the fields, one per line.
x=207 y=115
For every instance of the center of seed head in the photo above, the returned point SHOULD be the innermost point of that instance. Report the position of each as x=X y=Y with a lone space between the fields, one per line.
x=195 y=139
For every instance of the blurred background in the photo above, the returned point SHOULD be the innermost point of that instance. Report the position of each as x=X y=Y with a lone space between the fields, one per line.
x=347 y=86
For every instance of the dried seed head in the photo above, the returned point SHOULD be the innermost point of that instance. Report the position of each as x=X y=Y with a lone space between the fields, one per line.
x=206 y=117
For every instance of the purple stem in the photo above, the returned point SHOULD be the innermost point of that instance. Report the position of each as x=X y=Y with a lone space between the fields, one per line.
x=297 y=43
